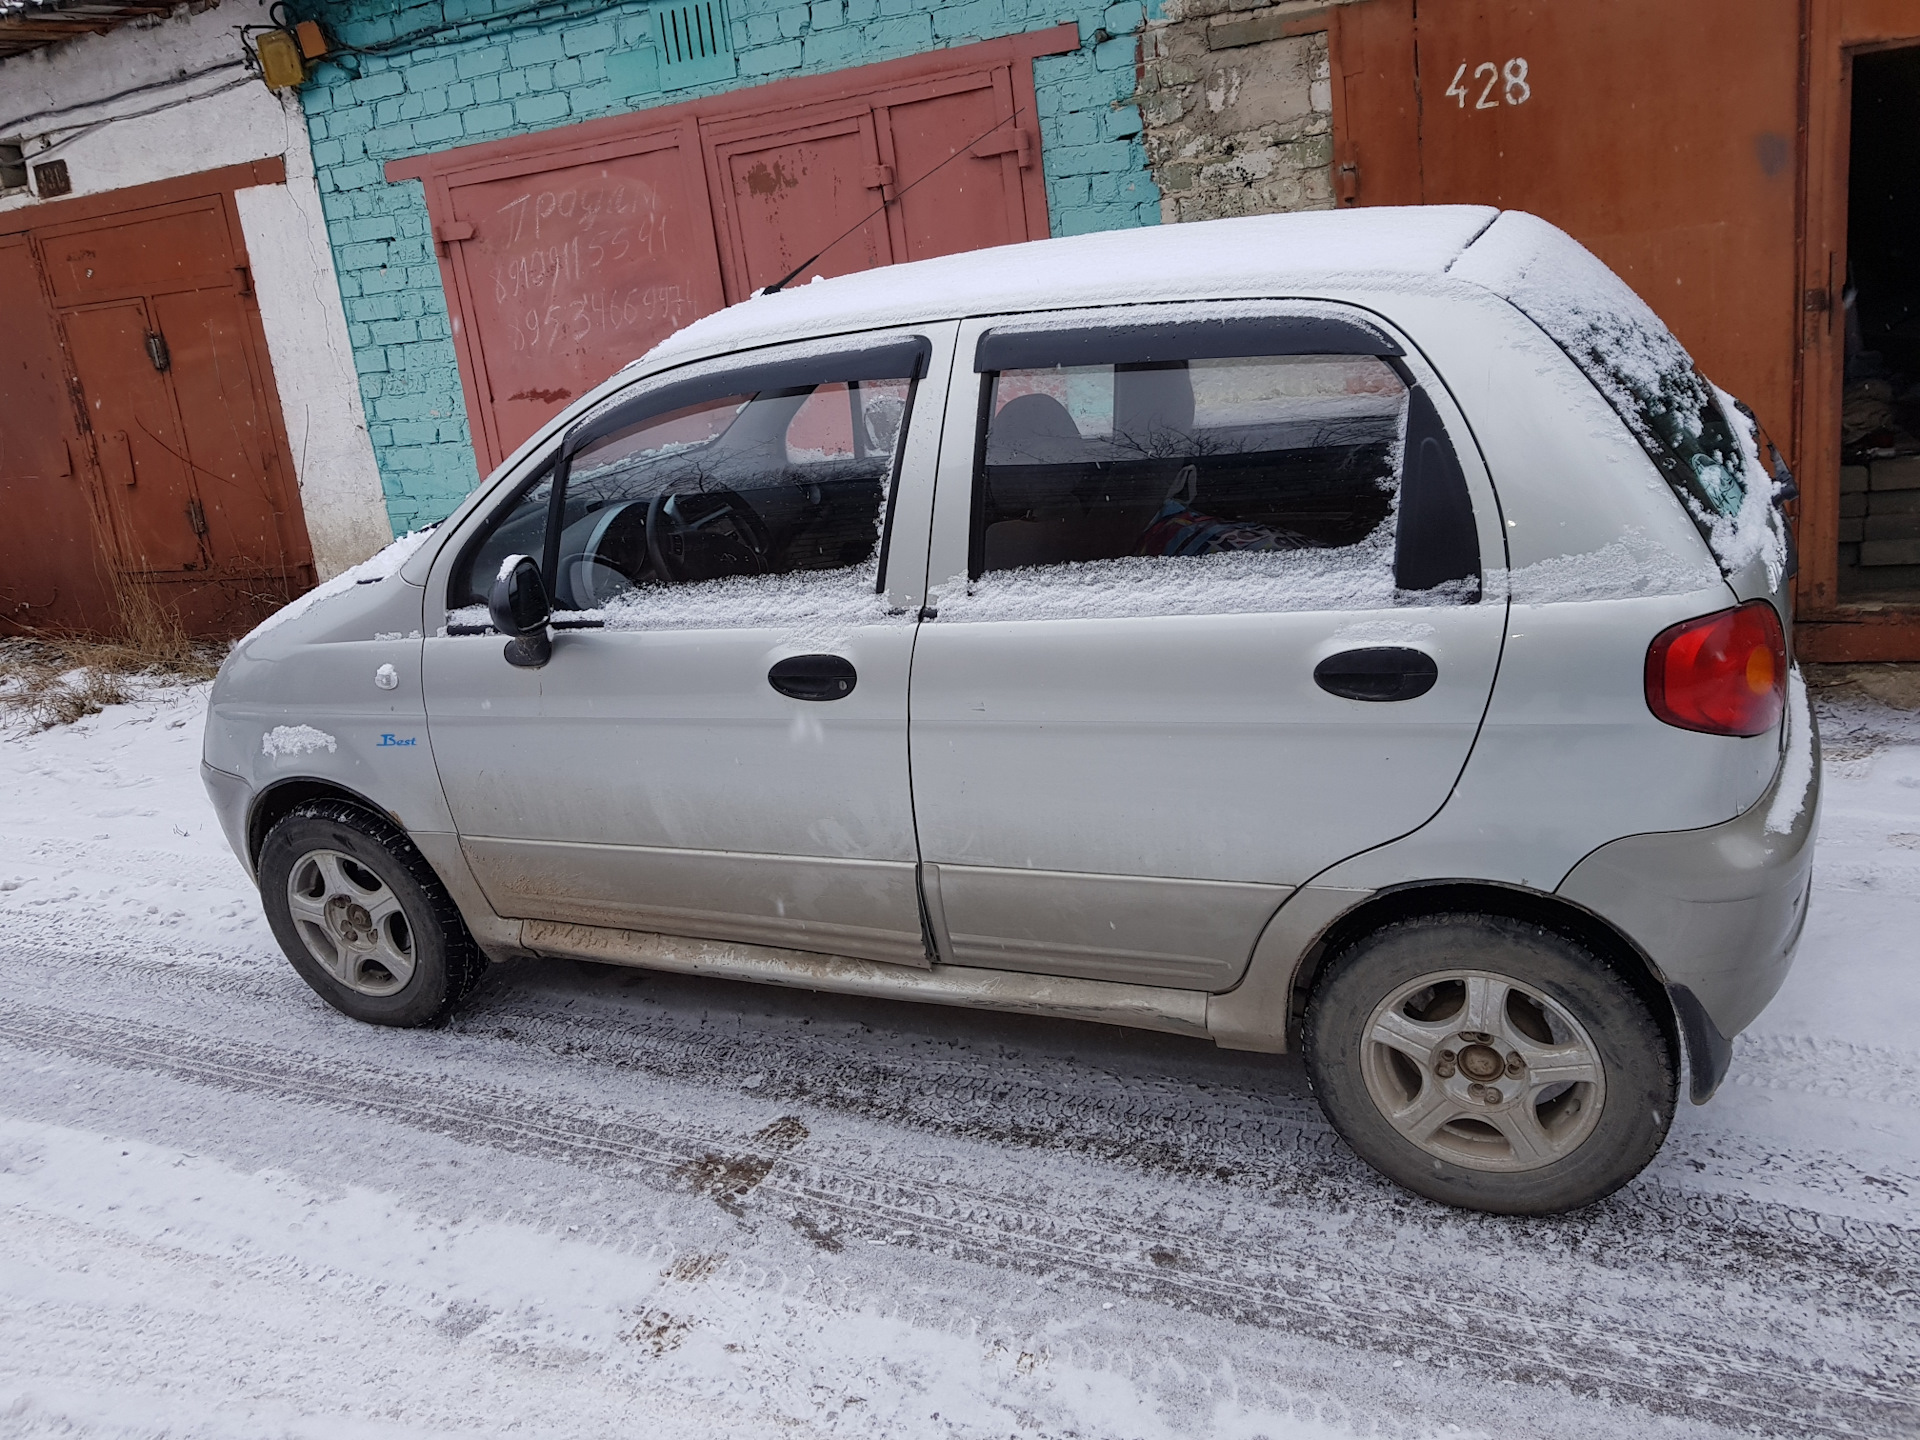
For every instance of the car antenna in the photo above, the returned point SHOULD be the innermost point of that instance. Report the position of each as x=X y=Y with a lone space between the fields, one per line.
x=787 y=279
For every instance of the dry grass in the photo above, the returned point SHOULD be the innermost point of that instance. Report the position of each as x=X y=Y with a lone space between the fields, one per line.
x=56 y=679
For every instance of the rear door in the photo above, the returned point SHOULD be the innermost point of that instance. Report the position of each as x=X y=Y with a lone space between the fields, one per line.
x=1215 y=623
x=718 y=746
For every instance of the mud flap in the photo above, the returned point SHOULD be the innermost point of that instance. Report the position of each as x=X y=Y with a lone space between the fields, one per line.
x=1709 y=1053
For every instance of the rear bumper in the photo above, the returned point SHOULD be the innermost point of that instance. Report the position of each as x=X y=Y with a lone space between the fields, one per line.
x=1718 y=911
x=230 y=796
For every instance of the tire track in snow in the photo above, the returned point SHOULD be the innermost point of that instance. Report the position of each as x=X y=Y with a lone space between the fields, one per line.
x=1172 y=1122
x=1646 y=1282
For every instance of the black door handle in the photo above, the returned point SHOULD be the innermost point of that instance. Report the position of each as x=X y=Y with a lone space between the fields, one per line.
x=1379 y=672
x=814 y=677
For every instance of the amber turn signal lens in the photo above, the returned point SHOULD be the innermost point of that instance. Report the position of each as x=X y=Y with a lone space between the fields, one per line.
x=1724 y=674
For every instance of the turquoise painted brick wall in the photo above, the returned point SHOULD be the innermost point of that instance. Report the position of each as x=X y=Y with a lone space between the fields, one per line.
x=461 y=71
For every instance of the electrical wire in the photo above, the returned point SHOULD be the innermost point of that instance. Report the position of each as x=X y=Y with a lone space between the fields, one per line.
x=71 y=133
x=777 y=286
x=130 y=91
x=481 y=25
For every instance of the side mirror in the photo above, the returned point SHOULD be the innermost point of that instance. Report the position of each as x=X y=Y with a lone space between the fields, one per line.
x=521 y=611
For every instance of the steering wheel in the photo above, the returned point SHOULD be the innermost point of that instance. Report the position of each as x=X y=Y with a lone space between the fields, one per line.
x=729 y=539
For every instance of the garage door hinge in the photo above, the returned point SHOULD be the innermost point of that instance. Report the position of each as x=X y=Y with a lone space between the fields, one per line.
x=451 y=231
x=1017 y=142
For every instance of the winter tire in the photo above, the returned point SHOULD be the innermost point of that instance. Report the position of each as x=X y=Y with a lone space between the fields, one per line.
x=1489 y=1063
x=363 y=917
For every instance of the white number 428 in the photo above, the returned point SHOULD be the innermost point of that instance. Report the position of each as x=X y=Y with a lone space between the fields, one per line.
x=1515 y=90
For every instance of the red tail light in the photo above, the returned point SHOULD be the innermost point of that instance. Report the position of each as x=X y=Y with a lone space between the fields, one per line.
x=1725 y=674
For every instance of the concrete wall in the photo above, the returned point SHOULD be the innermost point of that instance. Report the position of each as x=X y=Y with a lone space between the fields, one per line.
x=205 y=112
x=1237 y=114
x=458 y=71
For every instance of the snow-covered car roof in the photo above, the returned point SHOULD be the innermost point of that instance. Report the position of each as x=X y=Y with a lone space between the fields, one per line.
x=1257 y=255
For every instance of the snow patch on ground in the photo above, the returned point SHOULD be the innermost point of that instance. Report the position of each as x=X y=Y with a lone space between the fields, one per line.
x=462 y=1263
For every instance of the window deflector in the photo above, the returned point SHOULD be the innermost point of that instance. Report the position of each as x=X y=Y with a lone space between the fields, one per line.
x=1020 y=347
x=904 y=358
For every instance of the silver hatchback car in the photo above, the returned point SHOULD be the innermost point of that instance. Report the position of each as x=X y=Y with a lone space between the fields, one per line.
x=1364 y=631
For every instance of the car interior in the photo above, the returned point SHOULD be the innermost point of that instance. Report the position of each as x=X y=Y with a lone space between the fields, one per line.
x=770 y=483
x=1245 y=466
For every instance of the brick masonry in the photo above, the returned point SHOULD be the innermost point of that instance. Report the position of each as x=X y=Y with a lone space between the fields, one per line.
x=1880 y=527
x=1236 y=110
x=472 y=70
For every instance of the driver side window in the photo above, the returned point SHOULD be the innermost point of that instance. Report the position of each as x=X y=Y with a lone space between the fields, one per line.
x=726 y=510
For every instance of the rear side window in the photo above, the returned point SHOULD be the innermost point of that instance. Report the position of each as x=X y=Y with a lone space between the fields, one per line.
x=1188 y=458
x=1702 y=450
x=1235 y=483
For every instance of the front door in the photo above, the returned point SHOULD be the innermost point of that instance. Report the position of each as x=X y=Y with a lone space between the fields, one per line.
x=718 y=746
x=1215 y=625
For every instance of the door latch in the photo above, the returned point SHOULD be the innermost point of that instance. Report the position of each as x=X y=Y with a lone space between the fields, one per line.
x=157 y=350
x=197 y=517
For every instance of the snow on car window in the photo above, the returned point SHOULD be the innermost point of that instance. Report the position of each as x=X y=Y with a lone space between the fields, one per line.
x=1690 y=430
x=754 y=508
x=1246 y=582
x=1204 y=486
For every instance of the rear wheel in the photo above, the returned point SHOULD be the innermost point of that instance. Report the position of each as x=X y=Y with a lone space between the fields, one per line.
x=1489 y=1063
x=363 y=918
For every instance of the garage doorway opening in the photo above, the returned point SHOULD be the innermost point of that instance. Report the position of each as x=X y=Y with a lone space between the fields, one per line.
x=1880 y=416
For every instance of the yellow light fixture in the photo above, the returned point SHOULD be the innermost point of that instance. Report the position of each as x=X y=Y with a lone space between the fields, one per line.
x=281 y=64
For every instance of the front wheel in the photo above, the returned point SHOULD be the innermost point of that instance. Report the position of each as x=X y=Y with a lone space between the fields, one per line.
x=1489 y=1063
x=363 y=918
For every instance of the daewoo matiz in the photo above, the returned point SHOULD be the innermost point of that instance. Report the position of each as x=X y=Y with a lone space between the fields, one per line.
x=1363 y=631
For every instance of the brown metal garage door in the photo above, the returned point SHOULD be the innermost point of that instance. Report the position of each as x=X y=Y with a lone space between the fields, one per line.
x=569 y=253
x=160 y=469
x=53 y=574
x=1662 y=136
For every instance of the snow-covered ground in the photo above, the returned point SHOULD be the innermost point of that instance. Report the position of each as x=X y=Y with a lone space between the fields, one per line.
x=603 y=1202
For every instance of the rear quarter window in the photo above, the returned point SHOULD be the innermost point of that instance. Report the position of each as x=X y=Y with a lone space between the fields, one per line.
x=1696 y=436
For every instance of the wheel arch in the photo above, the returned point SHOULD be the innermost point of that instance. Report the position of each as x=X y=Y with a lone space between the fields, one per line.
x=1552 y=912
x=283 y=797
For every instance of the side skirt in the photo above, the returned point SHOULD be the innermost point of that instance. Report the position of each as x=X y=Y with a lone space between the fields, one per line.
x=1105 y=1002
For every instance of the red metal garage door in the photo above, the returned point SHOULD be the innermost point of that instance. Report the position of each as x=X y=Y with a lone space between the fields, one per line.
x=569 y=253
x=567 y=268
